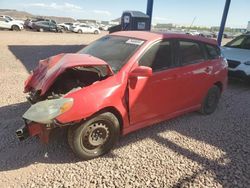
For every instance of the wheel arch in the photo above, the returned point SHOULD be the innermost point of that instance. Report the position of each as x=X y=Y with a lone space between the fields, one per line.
x=114 y=111
x=220 y=85
x=14 y=25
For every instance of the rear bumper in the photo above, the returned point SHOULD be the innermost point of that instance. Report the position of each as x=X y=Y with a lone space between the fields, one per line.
x=31 y=129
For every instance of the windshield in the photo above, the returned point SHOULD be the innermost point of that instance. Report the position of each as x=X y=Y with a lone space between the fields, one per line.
x=242 y=42
x=115 y=50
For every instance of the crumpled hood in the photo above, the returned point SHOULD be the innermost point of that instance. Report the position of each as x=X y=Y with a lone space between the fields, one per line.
x=236 y=54
x=49 y=69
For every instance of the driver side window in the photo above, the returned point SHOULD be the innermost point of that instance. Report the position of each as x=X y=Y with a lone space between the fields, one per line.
x=158 y=57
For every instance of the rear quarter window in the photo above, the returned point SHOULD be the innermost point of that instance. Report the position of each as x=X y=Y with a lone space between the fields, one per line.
x=213 y=52
x=190 y=52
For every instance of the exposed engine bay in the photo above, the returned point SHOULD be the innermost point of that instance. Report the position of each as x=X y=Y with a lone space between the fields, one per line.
x=70 y=80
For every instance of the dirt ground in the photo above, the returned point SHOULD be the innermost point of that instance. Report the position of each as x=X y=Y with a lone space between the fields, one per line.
x=189 y=151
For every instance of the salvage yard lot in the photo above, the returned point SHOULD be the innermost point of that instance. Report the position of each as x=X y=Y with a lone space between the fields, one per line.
x=192 y=150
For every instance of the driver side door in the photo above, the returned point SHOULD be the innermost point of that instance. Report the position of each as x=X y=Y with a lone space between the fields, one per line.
x=153 y=98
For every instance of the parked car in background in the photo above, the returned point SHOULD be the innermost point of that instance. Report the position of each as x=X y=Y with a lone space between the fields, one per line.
x=29 y=22
x=66 y=26
x=228 y=35
x=74 y=25
x=104 y=27
x=9 y=18
x=83 y=28
x=121 y=83
x=237 y=53
x=115 y=28
x=46 y=26
x=11 y=25
x=193 y=32
x=206 y=34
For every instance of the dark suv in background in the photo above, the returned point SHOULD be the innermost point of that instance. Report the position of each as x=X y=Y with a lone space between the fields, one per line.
x=46 y=26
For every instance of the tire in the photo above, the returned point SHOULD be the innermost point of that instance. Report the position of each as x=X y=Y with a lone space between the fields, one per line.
x=96 y=32
x=79 y=31
x=15 y=28
x=41 y=30
x=211 y=100
x=94 y=137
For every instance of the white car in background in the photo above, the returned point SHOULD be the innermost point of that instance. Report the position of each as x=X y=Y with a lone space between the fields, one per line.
x=74 y=25
x=237 y=53
x=12 y=19
x=193 y=32
x=83 y=28
x=12 y=25
x=66 y=26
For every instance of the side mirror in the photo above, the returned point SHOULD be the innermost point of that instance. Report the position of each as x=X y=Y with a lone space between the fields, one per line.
x=142 y=71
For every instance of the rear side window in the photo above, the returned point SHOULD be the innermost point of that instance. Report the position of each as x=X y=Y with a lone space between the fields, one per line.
x=246 y=44
x=158 y=57
x=212 y=51
x=190 y=52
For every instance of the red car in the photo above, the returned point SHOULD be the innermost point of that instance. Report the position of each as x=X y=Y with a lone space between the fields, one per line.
x=120 y=83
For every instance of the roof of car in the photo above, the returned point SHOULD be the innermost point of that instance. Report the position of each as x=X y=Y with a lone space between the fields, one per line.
x=152 y=36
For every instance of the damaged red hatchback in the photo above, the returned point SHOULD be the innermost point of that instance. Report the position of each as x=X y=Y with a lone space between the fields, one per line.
x=120 y=83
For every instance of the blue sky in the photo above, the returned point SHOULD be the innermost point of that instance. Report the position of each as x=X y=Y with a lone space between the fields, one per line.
x=206 y=12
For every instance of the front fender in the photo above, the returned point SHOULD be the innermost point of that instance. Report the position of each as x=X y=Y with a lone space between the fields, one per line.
x=94 y=98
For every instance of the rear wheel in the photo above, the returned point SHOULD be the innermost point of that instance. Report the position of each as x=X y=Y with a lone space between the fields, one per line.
x=96 y=32
x=211 y=101
x=15 y=28
x=80 y=31
x=95 y=137
x=41 y=29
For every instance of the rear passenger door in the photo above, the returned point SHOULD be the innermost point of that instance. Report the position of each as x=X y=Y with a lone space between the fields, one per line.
x=195 y=73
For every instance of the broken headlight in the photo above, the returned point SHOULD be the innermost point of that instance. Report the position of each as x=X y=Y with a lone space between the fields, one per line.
x=44 y=112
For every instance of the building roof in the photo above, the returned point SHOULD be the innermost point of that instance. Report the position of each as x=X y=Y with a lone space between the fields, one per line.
x=137 y=14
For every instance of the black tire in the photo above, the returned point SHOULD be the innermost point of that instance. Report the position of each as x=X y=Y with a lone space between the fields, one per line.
x=94 y=137
x=15 y=28
x=79 y=31
x=211 y=100
x=41 y=29
x=96 y=32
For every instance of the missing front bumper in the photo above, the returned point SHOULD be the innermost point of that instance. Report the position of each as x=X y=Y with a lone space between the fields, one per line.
x=22 y=133
x=31 y=129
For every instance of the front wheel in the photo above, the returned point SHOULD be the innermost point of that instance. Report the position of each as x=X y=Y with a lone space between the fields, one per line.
x=15 y=28
x=94 y=137
x=211 y=101
x=96 y=32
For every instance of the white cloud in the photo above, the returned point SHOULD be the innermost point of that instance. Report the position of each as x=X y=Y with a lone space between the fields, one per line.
x=55 y=6
x=103 y=12
x=36 y=5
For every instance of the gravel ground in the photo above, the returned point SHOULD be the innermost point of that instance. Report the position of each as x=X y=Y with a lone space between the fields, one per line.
x=189 y=151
